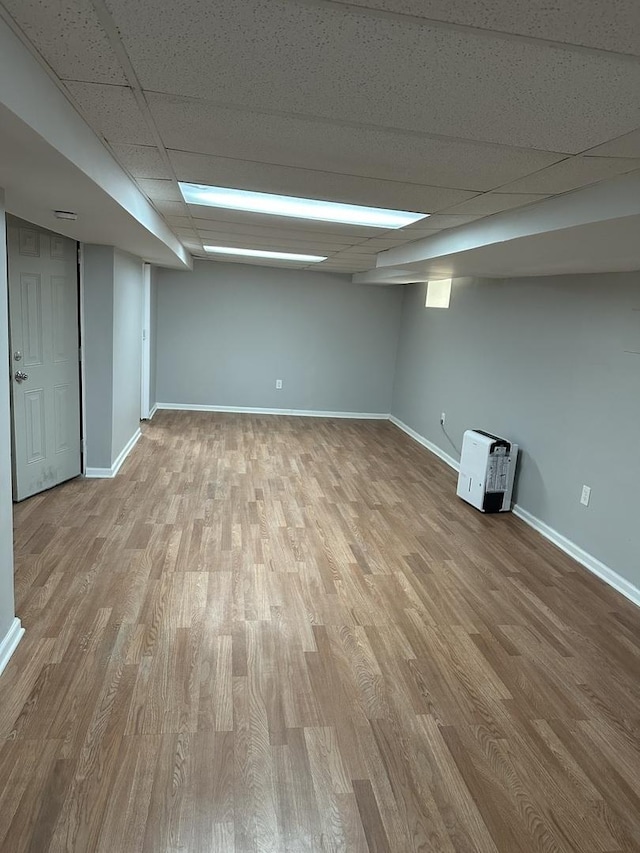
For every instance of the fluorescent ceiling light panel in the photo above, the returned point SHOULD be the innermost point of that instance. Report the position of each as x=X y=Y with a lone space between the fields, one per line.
x=259 y=253
x=299 y=208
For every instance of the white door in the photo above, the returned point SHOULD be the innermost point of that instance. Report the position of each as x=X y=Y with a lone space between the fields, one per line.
x=45 y=386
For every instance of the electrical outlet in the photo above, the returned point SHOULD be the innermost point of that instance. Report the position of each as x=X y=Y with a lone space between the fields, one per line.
x=278 y=384
x=585 y=496
x=443 y=418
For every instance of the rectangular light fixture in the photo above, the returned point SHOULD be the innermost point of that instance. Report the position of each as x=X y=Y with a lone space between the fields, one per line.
x=260 y=253
x=299 y=208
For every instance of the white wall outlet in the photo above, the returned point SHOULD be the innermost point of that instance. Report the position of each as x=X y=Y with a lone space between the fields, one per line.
x=585 y=496
x=443 y=418
x=278 y=384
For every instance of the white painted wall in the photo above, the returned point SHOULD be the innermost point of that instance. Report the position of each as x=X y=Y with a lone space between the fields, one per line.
x=128 y=299
x=226 y=332
x=7 y=611
x=545 y=362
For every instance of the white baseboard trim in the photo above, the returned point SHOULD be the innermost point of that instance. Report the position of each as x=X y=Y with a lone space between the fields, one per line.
x=154 y=409
x=595 y=566
x=98 y=473
x=108 y=473
x=126 y=450
x=10 y=642
x=303 y=413
x=453 y=463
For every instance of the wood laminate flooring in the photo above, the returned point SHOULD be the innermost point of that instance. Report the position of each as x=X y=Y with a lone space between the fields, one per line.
x=287 y=634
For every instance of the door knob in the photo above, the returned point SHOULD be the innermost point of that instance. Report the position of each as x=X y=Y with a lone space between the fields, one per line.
x=20 y=376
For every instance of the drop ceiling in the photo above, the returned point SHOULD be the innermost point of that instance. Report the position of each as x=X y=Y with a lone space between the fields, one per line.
x=462 y=111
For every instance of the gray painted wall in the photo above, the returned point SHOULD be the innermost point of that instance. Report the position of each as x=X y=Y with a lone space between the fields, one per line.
x=128 y=300
x=7 y=605
x=98 y=272
x=113 y=304
x=226 y=332
x=543 y=362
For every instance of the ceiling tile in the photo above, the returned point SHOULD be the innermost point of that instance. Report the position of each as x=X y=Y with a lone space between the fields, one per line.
x=610 y=26
x=571 y=174
x=354 y=255
x=343 y=267
x=241 y=174
x=194 y=126
x=293 y=234
x=359 y=251
x=111 y=111
x=349 y=236
x=141 y=161
x=379 y=244
x=172 y=209
x=206 y=214
x=159 y=190
x=68 y=35
x=624 y=146
x=338 y=62
x=178 y=221
x=490 y=203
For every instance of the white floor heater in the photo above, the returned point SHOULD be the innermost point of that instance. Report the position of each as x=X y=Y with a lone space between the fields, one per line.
x=487 y=469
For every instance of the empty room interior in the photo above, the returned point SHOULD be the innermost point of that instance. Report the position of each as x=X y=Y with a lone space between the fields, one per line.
x=319 y=443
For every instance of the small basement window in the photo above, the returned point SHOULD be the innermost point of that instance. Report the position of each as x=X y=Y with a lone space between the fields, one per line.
x=438 y=293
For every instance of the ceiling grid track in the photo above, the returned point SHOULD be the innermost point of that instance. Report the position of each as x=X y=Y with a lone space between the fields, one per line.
x=111 y=30
x=476 y=115
x=360 y=8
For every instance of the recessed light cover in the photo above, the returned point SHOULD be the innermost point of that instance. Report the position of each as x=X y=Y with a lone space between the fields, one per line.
x=260 y=253
x=299 y=208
